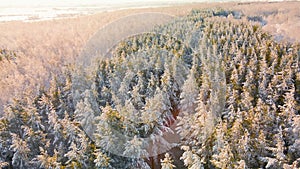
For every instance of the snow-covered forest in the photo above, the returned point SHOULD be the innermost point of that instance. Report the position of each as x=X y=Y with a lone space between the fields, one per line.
x=230 y=89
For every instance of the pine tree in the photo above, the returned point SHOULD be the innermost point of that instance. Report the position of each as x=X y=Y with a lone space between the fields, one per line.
x=190 y=159
x=44 y=160
x=293 y=149
x=188 y=105
x=180 y=71
x=134 y=148
x=101 y=160
x=84 y=114
x=167 y=162
x=21 y=151
x=224 y=159
x=244 y=150
x=189 y=95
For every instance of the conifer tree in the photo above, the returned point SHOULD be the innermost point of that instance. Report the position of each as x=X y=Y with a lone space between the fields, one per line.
x=167 y=162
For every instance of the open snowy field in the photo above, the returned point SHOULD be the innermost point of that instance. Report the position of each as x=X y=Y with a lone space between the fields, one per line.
x=35 y=10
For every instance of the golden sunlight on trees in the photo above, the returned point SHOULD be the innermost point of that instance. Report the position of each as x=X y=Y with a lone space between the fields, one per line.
x=231 y=91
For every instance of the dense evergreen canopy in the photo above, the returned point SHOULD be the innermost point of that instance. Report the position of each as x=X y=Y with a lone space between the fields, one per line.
x=232 y=91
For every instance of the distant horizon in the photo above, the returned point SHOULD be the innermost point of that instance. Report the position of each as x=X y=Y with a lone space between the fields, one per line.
x=76 y=3
x=37 y=10
x=73 y=3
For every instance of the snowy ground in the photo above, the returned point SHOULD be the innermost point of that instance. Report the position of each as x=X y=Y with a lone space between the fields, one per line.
x=35 y=10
